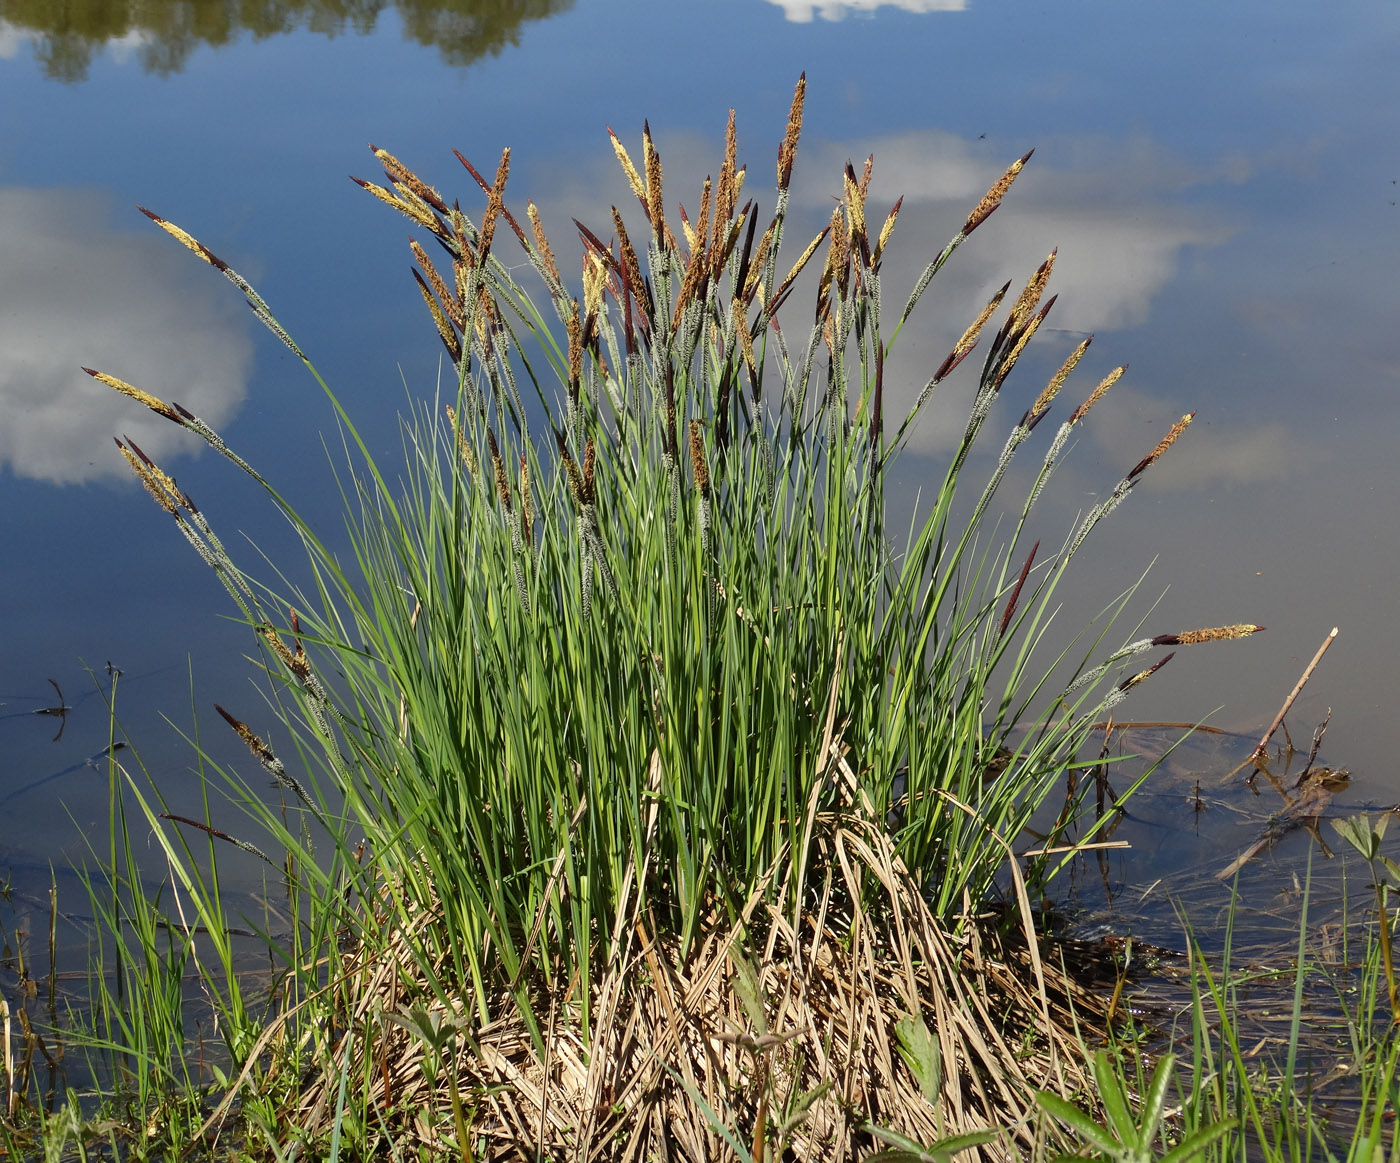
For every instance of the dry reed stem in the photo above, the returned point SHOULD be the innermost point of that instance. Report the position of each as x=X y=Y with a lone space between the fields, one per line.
x=1294 y=693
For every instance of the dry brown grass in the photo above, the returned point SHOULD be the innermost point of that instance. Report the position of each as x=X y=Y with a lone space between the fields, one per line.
x=806 y=1058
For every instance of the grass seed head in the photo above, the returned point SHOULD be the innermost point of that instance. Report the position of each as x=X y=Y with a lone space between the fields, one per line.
x=1098 y=393
x=1052 y=389
x=855 y=204
x=725 y=193
x=571 y=472
x=494 y=204
x=1165 y=443
x=542 y=241
x=656 y=210
x=992 y=198
x=1143 y=675
x=459 y=439
x=1213 y=634
x=1021 y=341
x=887 y=229
x=448 y=299
x=149 y=482
x=969 y=337
x=634 y=179
x=631 y=268
x=575 y=328
x=502 y=482
x=160 y=407
x=1029 y=298
x=417 y=212
x=697 y=459
x=527 y=506
x=445 y=330
x=401 y=175
x=187 y=240
x=787 y=152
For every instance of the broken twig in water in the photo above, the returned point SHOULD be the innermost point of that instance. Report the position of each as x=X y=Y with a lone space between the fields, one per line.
x=1293 y=694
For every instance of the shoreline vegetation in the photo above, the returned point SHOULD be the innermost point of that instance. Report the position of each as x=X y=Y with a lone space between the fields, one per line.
x=644 y=796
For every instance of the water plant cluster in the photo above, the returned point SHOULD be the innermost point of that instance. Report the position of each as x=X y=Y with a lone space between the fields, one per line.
x=643 y=789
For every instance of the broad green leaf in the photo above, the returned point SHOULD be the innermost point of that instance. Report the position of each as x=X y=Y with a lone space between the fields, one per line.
x=923 y=1055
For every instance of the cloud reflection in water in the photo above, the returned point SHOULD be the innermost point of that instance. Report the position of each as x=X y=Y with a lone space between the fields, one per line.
x=78 y=292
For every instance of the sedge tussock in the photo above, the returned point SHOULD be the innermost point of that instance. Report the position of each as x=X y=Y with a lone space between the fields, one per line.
x=757 y=1012
x=659 y=779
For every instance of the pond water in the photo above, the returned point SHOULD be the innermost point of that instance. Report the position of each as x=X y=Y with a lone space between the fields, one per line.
x=1221 y=182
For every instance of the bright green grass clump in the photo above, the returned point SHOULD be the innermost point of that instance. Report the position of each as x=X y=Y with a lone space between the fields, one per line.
x=626 y=645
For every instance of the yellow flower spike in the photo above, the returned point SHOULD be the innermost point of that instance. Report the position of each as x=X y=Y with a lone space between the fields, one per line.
x=855 y=204
x=787 y=152
x=149 y=482
x=420 y=214
x=1212 y=634
x=575 y=328
x=440 y=320
x=634 y=179
x=1098 y=393
x=656 y=210
x=184 y=238
x=1029 y=299
x=595 y=278
x=158 y=406
x=1052 y=389
x=1022 y=341
x=702 y=222
x=803 y=259
x=992 y=198
x=698 y=466
x=1165 y=443
x=887 y=229
x=542 y=241
x=724 y=188
x=494 y=205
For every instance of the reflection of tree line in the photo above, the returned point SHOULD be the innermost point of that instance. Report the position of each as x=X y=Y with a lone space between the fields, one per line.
x=71 y=32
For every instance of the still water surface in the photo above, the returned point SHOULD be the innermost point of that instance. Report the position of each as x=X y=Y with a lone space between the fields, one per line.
x=1221 y=182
